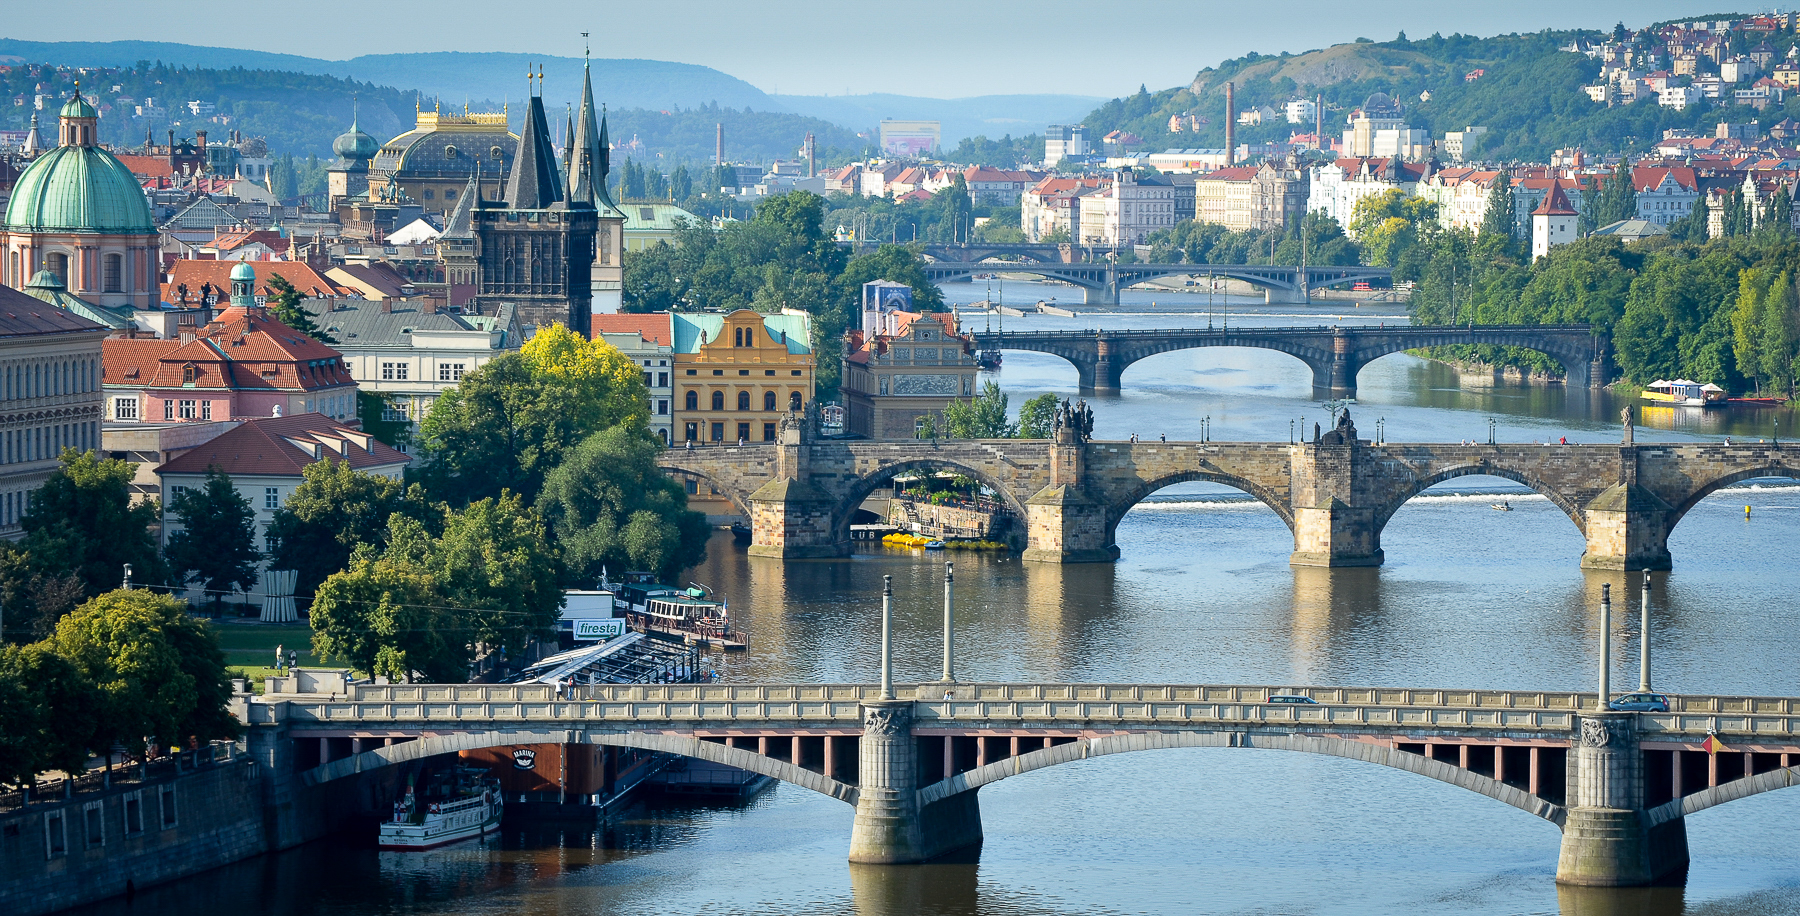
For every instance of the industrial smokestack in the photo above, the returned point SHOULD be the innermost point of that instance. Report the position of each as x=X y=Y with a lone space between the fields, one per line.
x=812 y=160
x=1230 y=124
x=1319 y=122
x=719 y=145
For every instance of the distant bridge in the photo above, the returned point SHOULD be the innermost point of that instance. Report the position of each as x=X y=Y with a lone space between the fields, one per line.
x=1102 y=282
x=1335 y=354
x=1619 y=785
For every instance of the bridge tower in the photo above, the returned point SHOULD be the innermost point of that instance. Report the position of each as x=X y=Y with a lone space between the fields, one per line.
x=1608 y=838
x=789 y=517
x=1064 y=523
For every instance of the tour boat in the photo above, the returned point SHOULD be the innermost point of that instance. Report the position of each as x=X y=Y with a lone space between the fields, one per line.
x=1684 y=393
x=687 y=614
x=457 y=805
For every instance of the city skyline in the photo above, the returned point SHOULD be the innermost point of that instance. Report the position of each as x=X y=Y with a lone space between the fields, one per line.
x=923 y=53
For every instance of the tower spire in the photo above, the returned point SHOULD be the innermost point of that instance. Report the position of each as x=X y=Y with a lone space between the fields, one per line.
x=535 y=182
x=588 y=157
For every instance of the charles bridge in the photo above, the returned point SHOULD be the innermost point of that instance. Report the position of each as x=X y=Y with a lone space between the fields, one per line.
x=1335 y=493
x=1335 y=354
x=912 y=760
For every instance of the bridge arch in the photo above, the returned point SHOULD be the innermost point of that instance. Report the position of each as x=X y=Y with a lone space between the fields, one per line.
x=1116 y=511
x=1724 y=792
x=1480 y=468
x=1769 y=469
x=859 y=489
x=739 y=500
x=683 y=745
x=1326 y=745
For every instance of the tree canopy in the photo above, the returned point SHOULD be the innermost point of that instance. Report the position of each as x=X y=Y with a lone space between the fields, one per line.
x=82 y=523
x=216 y=543
x=609 y=505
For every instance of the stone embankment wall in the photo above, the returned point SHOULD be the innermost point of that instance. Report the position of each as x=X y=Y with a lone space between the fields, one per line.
x=65 y=852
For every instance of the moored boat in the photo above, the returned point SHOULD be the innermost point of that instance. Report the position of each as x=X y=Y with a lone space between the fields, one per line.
x=1684 y=393
x=690 y=614
x=455 y=806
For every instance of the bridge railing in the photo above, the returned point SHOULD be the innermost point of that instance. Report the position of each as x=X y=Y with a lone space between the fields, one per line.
x=1159 y=333
x=537 y=705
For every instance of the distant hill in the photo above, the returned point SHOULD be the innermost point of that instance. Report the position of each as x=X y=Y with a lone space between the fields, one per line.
x=1529 y=96
x=992 y=116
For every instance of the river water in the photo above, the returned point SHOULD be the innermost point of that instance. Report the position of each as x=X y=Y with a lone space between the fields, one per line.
x=1469 y=597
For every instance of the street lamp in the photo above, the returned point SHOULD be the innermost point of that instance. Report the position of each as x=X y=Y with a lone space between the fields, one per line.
x=887 y=634
x=1491 y=424
x=1290 y=432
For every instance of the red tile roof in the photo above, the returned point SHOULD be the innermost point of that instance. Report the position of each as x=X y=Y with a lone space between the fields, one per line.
x=147 y=166
x=240 y=350
x=1556 y=203
x=653 y=327
x=284 y=446
x=198 y=273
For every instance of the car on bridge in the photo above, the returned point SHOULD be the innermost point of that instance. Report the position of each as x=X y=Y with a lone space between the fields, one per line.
x=1640 y=702
x=1292 y=698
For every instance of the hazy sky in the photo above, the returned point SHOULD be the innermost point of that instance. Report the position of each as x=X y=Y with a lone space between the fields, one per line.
x=941 y=48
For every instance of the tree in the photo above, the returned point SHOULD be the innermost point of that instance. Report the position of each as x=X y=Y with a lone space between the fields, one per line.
x=681 y=186
x=1387 y=225
x=980 y=417
x=1037 y=417
x=609 y=505
x=1747 y=324
x=385 y=615
x=34 y=599
x=335 y=509
x=216 y=544
x=47 y=710
x=1776 y=344
x=81 y=522
x=508 y=423
x=289 y=307
x=157 y=670
x=496 y=561
x=1499 y=219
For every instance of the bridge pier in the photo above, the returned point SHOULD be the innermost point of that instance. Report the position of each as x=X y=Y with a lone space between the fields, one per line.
x=1063 y=523
x=1627 y=528
x=789 y=517
x=1608 y=838
x=1334 y=521
x=891 y=827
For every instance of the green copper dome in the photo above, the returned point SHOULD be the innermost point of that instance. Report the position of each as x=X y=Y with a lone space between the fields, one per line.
x=78 y=107
x=79 y=189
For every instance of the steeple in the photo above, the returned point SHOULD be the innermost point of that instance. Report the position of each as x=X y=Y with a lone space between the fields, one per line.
x=588 y=157
x=534 y=183
x=568 y=150
x=459 y=225
x=34 y=141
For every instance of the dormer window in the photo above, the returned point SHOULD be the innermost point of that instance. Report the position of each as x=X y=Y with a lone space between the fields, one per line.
x=189 y=374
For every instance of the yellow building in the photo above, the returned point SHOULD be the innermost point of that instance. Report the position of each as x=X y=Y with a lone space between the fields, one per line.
x=737 y=375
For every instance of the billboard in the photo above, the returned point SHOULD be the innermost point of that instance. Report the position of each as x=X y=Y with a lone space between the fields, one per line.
x=597 y=628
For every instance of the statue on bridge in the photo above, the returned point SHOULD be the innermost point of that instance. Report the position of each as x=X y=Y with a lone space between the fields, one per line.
x=1078 y=417
x=1343 y=434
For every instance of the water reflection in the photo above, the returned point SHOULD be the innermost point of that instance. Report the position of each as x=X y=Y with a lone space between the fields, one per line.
x=1620 y=901
x=947 y=888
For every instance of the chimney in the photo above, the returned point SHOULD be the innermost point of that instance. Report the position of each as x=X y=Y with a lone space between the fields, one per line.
x=1319 y=122
x=812 y=160
x=1230 y=124
x=387 y=305
x=719 y=144
x=200 y=138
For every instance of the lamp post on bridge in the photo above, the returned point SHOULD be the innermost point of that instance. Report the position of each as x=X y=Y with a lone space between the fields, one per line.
x=1600 y=702
x=1644 y=638
x=887 y=632
x=949 y=623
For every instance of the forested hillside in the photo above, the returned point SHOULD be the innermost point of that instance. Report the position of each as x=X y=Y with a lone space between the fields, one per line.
x=1529 y=95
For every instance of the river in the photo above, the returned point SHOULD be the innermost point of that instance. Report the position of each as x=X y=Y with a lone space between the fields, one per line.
x=1202 y=593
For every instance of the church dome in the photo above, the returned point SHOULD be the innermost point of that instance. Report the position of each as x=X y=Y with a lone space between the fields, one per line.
x=354 y=144
x=1379 y=102
x=79 y=189
x=243 y=271
x=78 y=107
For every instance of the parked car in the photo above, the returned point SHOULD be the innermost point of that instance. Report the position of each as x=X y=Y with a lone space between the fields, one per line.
x=1292 y=698
x=1640 y=702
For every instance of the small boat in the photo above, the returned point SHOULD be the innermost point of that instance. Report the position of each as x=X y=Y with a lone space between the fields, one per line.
x=741 y=532
x=457 y=805
x=1502 y=506
x=1684 y=393
x=933 y=544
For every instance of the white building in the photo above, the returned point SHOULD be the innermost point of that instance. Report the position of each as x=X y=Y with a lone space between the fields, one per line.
x=1337 y=186
x=1678 y=97
x=1127 y=210
x=1064 y=141
x=1301 y=111
x=1459 y=143
x=412 y=353
x=1552 y=223
x=1664 y=193
x=50 y=396
x=649 y=341
x=266 y=458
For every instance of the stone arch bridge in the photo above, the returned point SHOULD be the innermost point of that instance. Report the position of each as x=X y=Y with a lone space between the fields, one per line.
x=1102 y=282
x=1619 y=785
x=1334 y=354
x=1335 y=495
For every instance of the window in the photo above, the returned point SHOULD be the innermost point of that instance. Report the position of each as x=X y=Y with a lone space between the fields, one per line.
x=271 y=497
x=134 y=813
x=93 y=822
x=718 y=432
x=743 y=400
x=125 y=408
x=662 y=407
x=718 y=400
x=56 y=835
x=743 y=432
x=692 y=402
x=743 y=372
x=112 y=271
x=647 y=380
x=768 y=400
x=168 y=410
x=393 y=372
x=693 y=372
x=205 y=410
x=58 y=264
x=190 y=374
x=447 y=372
x=693 y=432
x=768 y=432
x=794 y=372
x=168 y=807
x=768 y=372
x=794 y=400
x=693 y=487
x=186 y=410
x=718 y=372
x=737 y=337
x=662 y=379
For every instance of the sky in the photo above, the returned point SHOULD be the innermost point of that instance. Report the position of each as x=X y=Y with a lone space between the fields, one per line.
x=933 y=48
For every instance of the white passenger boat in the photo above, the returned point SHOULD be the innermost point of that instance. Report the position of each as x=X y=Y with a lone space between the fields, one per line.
x=455 y=806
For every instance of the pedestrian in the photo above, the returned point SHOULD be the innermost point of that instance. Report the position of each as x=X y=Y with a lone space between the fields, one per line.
x=1727 y=440
x=1164 y=437
x=1563 y=441
x=278 y=656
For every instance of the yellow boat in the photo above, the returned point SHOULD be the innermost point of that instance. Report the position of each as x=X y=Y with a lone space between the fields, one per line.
x=1684 y=393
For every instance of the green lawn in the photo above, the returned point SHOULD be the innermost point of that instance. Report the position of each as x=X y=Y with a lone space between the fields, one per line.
x=250 y=644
